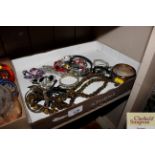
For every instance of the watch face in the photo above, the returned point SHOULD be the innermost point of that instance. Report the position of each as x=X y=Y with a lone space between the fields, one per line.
x=124 y=70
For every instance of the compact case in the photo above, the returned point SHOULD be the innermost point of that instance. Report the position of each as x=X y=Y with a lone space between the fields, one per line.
x=92 y=50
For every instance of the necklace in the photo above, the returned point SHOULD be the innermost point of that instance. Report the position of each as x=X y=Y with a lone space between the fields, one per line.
x=83 y=84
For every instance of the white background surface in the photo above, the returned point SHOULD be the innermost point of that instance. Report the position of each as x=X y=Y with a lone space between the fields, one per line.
x=92 y=50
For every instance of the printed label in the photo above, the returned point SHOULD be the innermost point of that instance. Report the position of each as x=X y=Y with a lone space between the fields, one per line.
x=59 y=118
x=75 y=111
x=141 y=120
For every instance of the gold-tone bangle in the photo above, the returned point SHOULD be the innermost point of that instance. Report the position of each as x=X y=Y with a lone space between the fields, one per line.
x=123 y=70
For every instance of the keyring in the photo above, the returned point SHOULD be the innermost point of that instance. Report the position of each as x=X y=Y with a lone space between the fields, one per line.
x=6 y=72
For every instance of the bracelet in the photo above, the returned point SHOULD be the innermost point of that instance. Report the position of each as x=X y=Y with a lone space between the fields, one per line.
x=60 y=66
x=54 y=99
x=122 y=72
x=33 y=73
x=70 y=75
x=80 y=64
x=102 y=70
x=101 y=62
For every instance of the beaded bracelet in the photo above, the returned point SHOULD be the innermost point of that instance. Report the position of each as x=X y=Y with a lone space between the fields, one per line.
x=33 y=73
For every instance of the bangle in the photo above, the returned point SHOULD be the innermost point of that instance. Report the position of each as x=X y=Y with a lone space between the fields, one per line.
x=70 y=75
x=123 y=71
x=81 y=64
x=60 y=66
x=6 y=73
x=101 y=62
x=53 y=99
x=102 y=70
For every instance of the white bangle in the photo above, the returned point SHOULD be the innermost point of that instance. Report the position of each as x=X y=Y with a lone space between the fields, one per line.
x=69 y=76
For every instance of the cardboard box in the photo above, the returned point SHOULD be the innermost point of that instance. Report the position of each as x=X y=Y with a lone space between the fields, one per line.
x=92 y=50
x=21 y=121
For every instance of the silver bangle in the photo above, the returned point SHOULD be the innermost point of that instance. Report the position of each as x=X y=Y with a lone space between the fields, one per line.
x=100 y=62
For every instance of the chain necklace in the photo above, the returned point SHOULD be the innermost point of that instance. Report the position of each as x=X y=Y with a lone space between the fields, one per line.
x=73 y=94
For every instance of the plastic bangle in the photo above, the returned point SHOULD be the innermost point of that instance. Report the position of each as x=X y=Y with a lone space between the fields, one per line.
x=70 y=85
x=6 y=72
x=84 y=70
